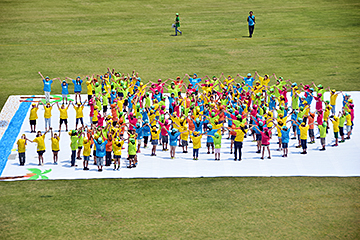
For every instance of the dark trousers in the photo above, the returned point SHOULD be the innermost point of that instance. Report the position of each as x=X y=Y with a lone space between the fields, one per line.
x=196 y=153
x=251 y=30
x=108 y=159
x=73 y=156
x=22 y=159
x=238 y=146
x=303 y=143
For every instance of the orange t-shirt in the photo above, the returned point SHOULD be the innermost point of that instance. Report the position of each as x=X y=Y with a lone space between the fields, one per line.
x=310 y=121
x=190 y=124
x=108 y=146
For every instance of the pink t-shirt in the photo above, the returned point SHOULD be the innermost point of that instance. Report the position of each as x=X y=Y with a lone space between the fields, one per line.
x=132 y=122
x=164 y=129
x=319 y=118
x=265 y=138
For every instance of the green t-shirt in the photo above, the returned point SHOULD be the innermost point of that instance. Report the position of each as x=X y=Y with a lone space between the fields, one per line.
x=174 y=90
x=81 y=141
x=322 y=131
x=105 y=99
x=132 y=148
x=217 y=141
x=177 y=21
x=342 y=121
x=74 y=142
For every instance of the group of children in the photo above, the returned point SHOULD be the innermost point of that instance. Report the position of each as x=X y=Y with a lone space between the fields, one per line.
x=175 y=112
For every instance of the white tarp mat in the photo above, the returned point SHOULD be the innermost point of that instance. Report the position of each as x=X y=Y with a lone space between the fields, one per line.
x=343 y=160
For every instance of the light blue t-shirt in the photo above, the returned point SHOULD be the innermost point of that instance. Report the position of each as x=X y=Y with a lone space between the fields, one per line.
x=100 y=149
x=77 y=85
x=47 y=85
x=64 y=88
x=173 y=138
x=194 y=81
x=251 y=20
x=285 y=135
x=249 y=81
x=211 y=133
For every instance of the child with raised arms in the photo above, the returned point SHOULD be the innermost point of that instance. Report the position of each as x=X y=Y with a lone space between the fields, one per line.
x=55 y=140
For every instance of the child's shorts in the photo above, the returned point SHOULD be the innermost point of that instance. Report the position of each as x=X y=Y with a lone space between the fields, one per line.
x=311 y=133
x=132 y=156
x=348 y=128
x=232 y=137
x=341 y=129
x=100 y=161
x=258 y=137
x=217 y=150
x=86 y=158
x=63 y=121
x=210 y=144
x=184 y=143
x=41 y=152
x=322 y=141
x=284 y=145
x=164 y=139
x=154 y=142
x=336 y=134
x=117 y=156
x=139 y=141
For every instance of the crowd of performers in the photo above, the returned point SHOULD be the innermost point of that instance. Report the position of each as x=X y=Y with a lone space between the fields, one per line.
x=176 y=112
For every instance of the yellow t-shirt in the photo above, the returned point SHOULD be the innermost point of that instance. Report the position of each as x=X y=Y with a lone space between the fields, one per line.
x=21 y=145
x=87 y=149
x=33 y=113
x=95 y=117
x=184 y=136
x=326 y=114
x=348 y=120
x=89 y=88
x=336 y=124
x=40 y=143
x=155 y=135
x=239 y=135
x=196 y=141
x=303 y=132
x=55 y=143
x=264 y=81
x=79 y=111
x=117 y=149
x=63 y=113
x=47 y=113
x=333 y=99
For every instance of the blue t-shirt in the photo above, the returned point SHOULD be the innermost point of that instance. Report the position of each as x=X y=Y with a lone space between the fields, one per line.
x=77 y=85
x=251 y=20
x=211 y=133
x=64 y=88
x=146 y=131
x=194 y=81
x=47 y=85
x=100 y=149
x=285 y=135
x=139 y=131
x=198 y=126
x=249 y=81
x=173 y=138
x=157 y=97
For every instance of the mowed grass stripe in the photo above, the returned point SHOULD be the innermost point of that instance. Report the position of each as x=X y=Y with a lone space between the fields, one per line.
x=176 y=41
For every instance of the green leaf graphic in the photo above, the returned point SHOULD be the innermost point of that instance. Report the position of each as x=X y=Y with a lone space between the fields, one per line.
x=34 y=170
x=46 y=171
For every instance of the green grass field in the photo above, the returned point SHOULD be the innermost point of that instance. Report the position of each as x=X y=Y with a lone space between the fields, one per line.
x=300 y=40
x=203 y=208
